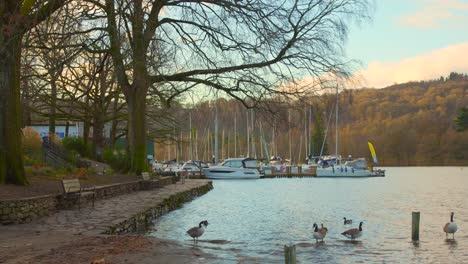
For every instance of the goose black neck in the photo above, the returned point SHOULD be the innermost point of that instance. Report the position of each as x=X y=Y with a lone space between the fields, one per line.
x=316 y=228
x=360 y=226
x=200 y=225
x=451 y=217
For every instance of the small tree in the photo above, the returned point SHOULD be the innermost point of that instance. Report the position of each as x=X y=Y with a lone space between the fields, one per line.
x=461 y=121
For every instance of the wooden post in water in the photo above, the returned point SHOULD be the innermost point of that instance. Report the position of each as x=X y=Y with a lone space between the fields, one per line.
x=415 y=226
x=299 y=169
x=273 y=170
x=290 y=254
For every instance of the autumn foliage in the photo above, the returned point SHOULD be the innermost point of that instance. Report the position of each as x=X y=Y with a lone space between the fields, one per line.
x=409 y=124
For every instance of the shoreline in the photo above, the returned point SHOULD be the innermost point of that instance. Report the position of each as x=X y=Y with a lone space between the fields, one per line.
x=78 y=236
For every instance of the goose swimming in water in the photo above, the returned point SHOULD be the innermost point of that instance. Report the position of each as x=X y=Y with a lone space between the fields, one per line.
x=353 y=233
x=347 y=222
x=196 y=232
x=451 y=227
x=319 y=233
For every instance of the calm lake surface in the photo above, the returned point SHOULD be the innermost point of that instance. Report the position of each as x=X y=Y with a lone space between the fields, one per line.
x=250 y=221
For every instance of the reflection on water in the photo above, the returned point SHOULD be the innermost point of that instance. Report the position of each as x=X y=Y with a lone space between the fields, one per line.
x=252 y=220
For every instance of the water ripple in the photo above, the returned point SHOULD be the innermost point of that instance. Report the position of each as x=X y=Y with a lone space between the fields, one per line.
x=252 y=220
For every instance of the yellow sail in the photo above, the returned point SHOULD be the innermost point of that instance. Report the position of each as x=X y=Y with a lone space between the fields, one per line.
x=372 y=151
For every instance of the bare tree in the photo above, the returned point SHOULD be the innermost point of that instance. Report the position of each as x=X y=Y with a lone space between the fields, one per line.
x=248 y=49
x=16 y=18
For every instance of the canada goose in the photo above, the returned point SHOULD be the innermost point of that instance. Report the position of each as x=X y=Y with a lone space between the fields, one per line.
x=323 y=230
x=319 y=233
x=347 y=222
x=451 y=227
x=353 y=233
x=196 y=232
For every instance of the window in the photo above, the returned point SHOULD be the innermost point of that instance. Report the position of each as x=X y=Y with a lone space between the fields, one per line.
x=236 y=164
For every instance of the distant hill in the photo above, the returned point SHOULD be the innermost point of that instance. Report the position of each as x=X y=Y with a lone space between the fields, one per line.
x=409 y=124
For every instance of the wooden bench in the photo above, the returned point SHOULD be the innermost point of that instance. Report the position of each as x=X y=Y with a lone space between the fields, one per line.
x=73 y=187
x=145 y=176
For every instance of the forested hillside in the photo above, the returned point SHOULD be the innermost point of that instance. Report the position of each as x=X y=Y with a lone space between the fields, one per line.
x=409 y=124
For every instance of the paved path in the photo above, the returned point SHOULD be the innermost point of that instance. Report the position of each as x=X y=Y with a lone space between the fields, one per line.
x=106 y=213
x=23 y=243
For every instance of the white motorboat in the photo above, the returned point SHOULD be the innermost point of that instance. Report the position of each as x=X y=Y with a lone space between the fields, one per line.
x=238 y=168
x=192 y=167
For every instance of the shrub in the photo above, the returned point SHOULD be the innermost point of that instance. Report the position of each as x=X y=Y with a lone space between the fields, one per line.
x=54 y=139
x=118 y=160
x=32 y=144
x=75 y=144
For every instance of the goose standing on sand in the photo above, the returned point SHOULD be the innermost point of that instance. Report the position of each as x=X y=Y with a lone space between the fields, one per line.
x=451 y=227
x=319 y=233
x=196 y=232
x=353 y=233
x=347 y=222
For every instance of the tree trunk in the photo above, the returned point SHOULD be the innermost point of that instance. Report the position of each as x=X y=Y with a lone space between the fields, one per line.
x=86 y=127
x=98 y=136
x=113 y=132
x=137 y=130
x=25 y=104
x=85 y=132
x=67 y=128
x=11 y=156
x=53 y=103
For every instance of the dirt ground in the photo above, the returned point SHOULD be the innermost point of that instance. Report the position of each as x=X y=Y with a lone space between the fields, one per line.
x=47 y=181
x=58 y=247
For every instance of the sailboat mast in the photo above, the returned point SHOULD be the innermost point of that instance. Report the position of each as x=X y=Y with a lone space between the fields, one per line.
x=289 y=132
x=305 y=132
x=190 y=137
x=216 y=130
x=248 y=134
x=235 y=135
x=222 y=146
x=252 y=129
x=336 y=124
x=310 y=146
x=196 y=144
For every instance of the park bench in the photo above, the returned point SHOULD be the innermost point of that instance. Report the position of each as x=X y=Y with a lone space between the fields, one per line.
x=73 y=187
x=145 y=176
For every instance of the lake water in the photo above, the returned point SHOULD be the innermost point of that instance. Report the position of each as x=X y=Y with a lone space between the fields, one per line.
x=250 y=221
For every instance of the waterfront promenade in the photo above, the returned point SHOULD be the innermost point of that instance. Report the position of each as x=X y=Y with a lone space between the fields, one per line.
x=77 y=236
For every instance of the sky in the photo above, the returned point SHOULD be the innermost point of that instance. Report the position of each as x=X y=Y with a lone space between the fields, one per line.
x=410 y=40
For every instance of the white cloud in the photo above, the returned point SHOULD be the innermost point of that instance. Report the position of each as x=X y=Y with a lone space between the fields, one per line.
x=424 y=67
x=436 y=13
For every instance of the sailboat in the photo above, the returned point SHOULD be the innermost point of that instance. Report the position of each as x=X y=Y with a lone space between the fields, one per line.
x=335 y=166
x=378 y=172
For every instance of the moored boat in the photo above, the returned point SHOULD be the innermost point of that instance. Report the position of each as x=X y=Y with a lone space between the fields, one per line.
x=238 y=168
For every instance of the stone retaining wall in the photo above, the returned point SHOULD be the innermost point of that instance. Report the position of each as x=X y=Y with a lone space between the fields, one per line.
x=27 y=209
x=141 y=221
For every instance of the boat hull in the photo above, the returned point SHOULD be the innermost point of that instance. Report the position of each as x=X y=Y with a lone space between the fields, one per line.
x=342 y=171
x=225 y=173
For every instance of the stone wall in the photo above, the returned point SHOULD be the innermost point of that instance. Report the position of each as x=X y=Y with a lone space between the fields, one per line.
x=143 y=220
x=27 y=209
